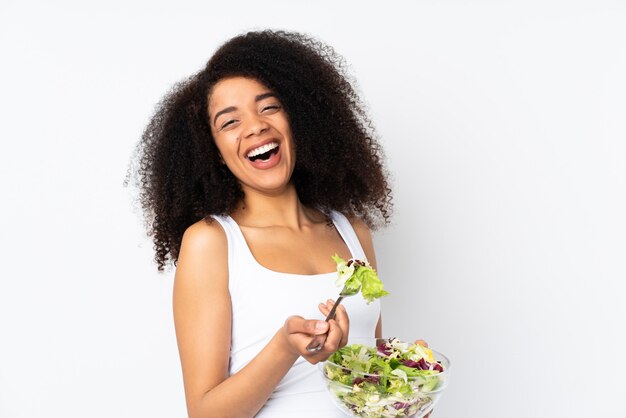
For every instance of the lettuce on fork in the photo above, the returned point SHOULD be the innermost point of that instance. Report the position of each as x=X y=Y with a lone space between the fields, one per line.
x=357 y=275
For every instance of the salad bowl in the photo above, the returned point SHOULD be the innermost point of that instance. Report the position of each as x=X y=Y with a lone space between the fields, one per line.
x=385 y=378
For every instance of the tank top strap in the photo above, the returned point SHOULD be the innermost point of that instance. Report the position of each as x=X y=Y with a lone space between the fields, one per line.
x=238 y=252
x=348 y=234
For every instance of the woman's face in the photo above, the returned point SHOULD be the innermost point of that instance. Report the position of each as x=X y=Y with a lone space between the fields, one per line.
x=252 y=133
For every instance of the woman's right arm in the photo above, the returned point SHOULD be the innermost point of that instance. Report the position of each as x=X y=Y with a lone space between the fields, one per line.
x=202 y=316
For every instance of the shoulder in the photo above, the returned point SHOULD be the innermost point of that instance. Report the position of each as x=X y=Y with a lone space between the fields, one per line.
x=364 y=235
x=360 y=227
x=203 y=250
x=206 y=233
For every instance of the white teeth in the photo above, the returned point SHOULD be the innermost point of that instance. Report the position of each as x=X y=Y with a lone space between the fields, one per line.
x=262 y=149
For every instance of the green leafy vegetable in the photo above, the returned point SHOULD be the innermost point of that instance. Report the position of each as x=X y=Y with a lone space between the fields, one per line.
x=357 y=275
x=393 y=379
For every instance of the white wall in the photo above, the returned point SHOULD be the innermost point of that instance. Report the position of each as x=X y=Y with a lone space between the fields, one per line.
x=504 y=125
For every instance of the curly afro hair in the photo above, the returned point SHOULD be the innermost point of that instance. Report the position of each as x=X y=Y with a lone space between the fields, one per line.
x=179 y=171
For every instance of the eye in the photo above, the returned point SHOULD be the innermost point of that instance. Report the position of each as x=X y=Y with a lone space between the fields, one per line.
x=270 y=108
x=228 y=123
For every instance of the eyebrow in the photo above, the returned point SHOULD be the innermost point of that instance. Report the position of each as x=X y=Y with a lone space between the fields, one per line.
x=264 y=96
x=221 y=112
x=232 y=108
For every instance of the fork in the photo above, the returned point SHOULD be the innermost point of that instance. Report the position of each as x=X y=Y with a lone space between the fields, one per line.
x=318 y=341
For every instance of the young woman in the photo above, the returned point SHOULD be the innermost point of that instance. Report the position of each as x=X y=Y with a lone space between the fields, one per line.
x=255 y=171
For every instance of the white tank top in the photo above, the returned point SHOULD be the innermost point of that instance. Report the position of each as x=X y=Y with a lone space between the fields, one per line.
x=261 y=301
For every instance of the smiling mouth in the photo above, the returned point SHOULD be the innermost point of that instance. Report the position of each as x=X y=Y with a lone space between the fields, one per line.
x=264 y=153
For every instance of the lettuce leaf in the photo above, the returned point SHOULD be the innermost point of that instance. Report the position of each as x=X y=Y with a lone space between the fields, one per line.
x=358 y=275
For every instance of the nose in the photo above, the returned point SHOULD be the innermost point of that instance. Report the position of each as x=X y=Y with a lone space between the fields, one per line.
x=255 y=125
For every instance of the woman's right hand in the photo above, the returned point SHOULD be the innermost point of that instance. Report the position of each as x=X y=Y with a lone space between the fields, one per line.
x=297 y=333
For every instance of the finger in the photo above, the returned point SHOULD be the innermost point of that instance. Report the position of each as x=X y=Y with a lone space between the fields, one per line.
x=330 y=303
x=330 y=346
x=297 y=324
x=341 y=316
x=335 y=334
x=328 y=306
x=343 y=321
x=422 y=343
x=324 y=309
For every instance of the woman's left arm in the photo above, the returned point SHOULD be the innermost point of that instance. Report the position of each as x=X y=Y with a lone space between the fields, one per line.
x=365 y=238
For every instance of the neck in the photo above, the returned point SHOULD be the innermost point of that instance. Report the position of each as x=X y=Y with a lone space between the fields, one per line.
x=280 y=209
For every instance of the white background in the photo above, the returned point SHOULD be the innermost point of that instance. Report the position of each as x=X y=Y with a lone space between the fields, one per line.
x=504 y=125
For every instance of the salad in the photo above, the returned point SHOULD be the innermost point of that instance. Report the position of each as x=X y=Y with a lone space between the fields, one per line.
x=358 y=275
x=393 y=379
x=354 y=276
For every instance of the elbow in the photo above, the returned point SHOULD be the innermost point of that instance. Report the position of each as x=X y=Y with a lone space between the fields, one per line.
x=208 y=407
